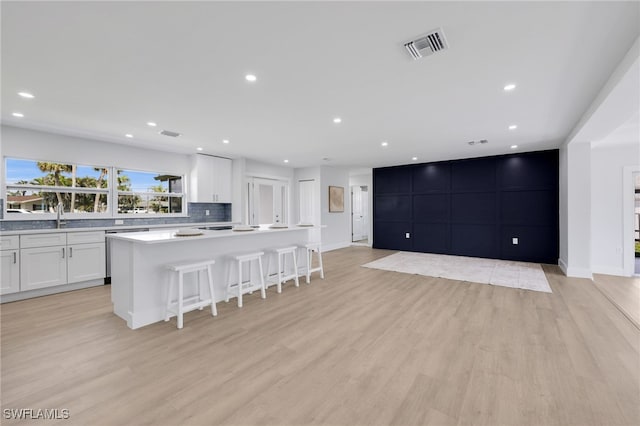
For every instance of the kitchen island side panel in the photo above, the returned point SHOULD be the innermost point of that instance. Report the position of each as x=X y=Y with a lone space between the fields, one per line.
x=140 y=277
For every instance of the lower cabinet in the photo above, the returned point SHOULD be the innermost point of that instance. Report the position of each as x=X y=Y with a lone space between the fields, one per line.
x=86 y=262
x=9 y=271
x=48 y=260
x=43 y=267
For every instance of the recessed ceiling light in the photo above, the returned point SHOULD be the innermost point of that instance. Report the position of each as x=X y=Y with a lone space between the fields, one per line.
x=151 y=124
x=286 y=161
x=414 y=158
x=18 y=114
x=26 y=95
x=225 y=140
x=337 y=120
x=128 y=135
x=513 y=127
x=250 y=77
x=514 y=146
x=509 y=87
x=199 y=148
x=385 y=143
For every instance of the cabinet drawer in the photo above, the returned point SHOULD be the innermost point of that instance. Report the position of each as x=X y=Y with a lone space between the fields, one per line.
x=85 y=237
x=43 y=240
x=9 y=242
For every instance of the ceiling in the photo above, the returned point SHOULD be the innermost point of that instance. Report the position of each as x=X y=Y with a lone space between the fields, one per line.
x=104 y=69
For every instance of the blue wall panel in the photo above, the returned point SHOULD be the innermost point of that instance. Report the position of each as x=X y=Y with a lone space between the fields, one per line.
x=471 y=207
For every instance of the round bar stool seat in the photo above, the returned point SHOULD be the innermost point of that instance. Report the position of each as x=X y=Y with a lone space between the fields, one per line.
x=281 y=274
x=242 y=287
x=311 y=248
x=182 y=304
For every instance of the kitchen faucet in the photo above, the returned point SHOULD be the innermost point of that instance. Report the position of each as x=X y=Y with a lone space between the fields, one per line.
x=59 y=213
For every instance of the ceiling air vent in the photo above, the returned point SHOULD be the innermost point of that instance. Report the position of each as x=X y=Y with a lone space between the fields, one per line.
x=170 y=133
x=428 y=44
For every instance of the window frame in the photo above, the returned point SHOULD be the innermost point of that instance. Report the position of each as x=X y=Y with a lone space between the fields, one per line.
x=111 y=192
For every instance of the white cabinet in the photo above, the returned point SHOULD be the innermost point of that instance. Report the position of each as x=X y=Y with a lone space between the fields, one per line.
x=9 y=264
x=221 y=180
x=85 y=262
x=43 y=267
x=210 y=179
x=87 y=259
x=61 y=258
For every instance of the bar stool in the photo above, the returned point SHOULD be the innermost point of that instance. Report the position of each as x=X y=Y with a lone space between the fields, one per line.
x=182 y=304
x=248 y=286
x=281 y=275
x=310 y=249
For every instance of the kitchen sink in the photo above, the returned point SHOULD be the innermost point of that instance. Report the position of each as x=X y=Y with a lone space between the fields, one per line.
x=216 y=228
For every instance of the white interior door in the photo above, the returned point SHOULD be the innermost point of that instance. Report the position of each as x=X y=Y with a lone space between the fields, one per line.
x=306 y=201
x=357 y=214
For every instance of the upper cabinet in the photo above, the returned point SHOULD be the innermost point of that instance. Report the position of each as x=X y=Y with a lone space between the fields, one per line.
x=210 y=179
x=221 y=180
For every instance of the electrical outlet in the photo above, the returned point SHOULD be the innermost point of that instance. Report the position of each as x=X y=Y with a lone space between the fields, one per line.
x=514 y=241
x=206 y=212
x=407 y=235
x=119 y=222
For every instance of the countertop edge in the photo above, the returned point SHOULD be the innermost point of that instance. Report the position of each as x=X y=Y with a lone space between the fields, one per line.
x=115 y=228
x=206 y=234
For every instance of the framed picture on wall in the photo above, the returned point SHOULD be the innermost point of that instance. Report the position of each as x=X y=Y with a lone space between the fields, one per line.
x=336 y=199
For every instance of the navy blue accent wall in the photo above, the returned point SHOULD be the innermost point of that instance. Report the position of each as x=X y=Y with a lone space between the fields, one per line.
x=472 y=207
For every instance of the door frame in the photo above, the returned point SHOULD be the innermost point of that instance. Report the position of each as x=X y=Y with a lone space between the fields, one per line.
x=248 y=196
x=628 y=209
x=369 y=211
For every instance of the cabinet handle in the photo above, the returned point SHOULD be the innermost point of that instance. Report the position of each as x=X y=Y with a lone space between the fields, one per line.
x=70 y=252
x=63 y=252
x=15 y=257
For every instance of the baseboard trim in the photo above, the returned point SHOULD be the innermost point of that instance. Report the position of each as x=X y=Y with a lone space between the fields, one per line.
x=335 y=246
x=21 y=295
x=607 y=270
x=563 y=266
x=579 y=273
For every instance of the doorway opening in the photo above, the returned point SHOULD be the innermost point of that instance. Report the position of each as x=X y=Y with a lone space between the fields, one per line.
x=360 y=214
x=267 y=201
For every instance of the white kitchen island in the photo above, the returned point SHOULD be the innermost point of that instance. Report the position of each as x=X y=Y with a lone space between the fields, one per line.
x=139 y=277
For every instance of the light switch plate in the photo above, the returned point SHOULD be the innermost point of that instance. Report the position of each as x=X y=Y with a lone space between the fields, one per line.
x=514 y=241
x=407 y=235
x=206 y=212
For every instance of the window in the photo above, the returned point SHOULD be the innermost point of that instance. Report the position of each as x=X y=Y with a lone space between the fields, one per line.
x=38 y=187
x=146 y=192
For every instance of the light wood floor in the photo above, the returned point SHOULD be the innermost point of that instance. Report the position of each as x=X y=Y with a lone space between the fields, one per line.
x=622 y=292
x=363 y=346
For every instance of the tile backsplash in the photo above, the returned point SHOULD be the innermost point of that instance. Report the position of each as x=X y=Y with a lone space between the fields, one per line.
x=218 y=212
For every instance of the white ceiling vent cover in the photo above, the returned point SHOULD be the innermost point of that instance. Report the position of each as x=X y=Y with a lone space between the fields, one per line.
x=428 y=44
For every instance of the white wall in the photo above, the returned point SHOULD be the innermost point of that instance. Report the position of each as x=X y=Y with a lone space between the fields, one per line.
x=37 y=145
x=616 y=102
x=563 y=208
x=337 y=234
x=578 y=262
x=238 y=199
x=607 y=224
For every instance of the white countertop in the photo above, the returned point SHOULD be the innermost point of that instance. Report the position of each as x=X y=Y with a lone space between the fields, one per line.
x=116 y=228
x=169 y=235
